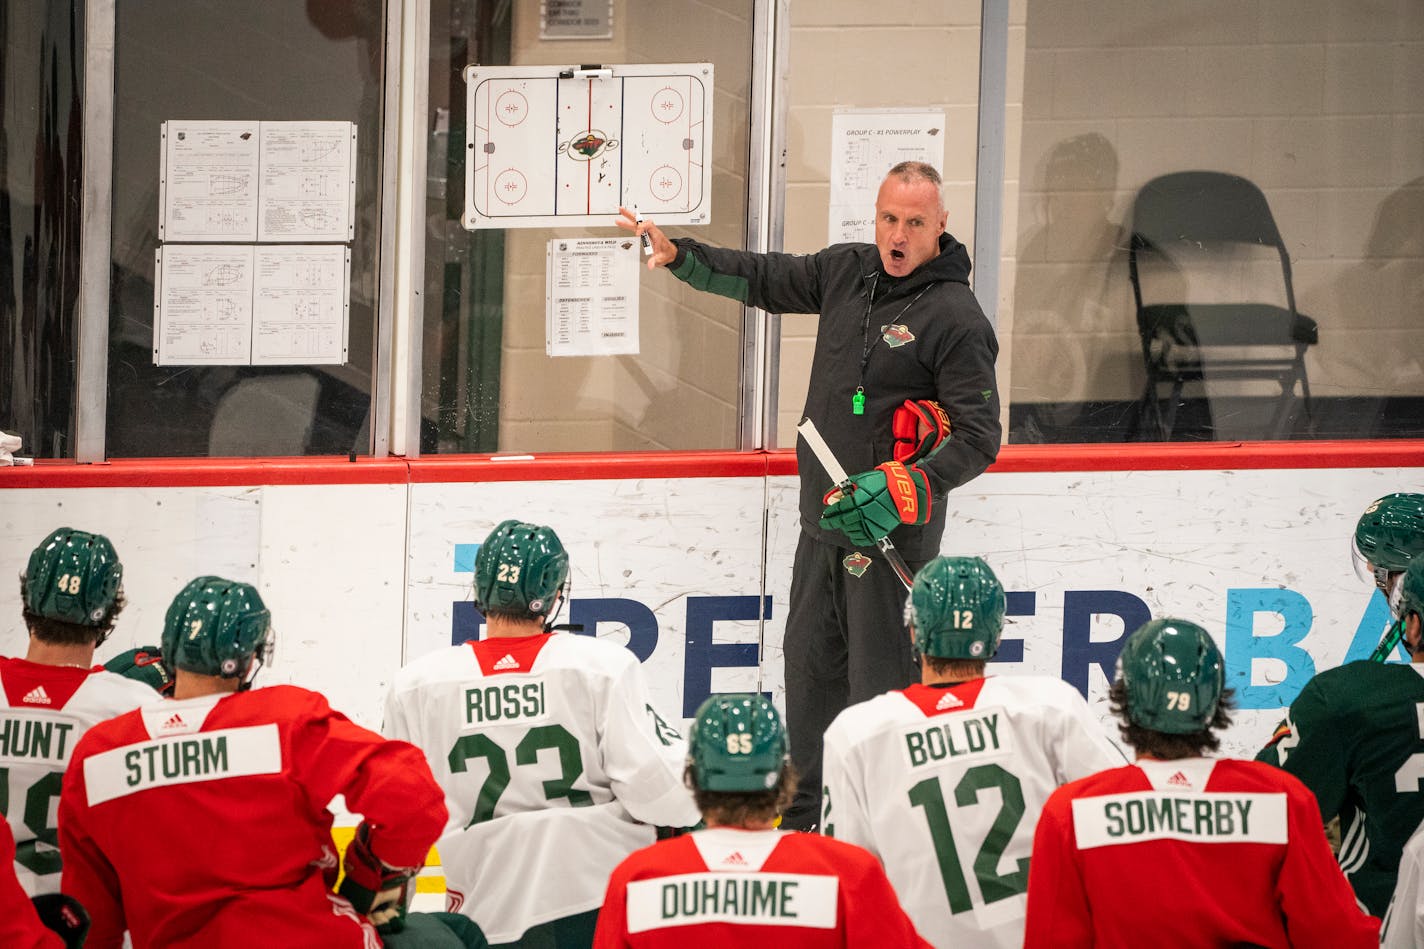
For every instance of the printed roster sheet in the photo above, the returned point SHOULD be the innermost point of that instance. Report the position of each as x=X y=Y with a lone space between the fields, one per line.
x=591 y=299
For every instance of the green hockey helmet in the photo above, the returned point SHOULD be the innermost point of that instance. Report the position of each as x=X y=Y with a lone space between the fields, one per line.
x=1411 y=590
x=217 y=627
x=736 y=744
x=956 y=607
x=1389 y=535
x=75 y=577
x=1174 y=676
x=520 y=568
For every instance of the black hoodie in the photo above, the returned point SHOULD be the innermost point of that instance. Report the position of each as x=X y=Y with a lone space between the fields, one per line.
x=921 y=336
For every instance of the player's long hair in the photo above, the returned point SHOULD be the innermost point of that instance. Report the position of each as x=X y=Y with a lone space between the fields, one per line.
x=740 y=808
x=59 y=633
x=1162 y=745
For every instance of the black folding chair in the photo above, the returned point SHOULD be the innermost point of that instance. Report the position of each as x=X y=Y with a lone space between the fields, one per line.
x=1192 y=223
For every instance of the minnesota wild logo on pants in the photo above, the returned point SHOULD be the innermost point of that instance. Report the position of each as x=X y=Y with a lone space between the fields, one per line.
x=856 y=563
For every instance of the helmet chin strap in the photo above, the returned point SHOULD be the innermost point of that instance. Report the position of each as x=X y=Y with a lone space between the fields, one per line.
x=553 y=614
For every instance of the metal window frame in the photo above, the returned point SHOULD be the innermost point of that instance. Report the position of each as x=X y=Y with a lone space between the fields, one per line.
x=766 y=203
x=96 y=242
x=96 y=232
x=989 y=166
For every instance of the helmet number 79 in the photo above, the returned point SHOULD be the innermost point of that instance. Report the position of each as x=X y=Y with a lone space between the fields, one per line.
x=1181 y=701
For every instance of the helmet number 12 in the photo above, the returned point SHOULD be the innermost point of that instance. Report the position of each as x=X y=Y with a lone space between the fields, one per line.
x=963 y=619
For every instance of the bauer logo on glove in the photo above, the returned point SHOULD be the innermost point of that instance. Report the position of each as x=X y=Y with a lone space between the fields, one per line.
x=876 y=502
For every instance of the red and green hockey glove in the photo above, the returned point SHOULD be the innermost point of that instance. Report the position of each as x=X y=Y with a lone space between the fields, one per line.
x=146 y=665
x=374 y=888
x=921 y=429
x=877 y=502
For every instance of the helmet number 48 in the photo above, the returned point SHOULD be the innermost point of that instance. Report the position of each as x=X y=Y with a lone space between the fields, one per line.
x=68 y=583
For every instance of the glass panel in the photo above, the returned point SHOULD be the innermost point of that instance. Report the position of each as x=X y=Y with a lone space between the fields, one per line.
x=488 y=385
x=913 y=56
x=41 y=81
x=243 y=60
x=1149 y=307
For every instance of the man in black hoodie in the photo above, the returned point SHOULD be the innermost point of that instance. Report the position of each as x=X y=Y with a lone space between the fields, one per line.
x=900 y=329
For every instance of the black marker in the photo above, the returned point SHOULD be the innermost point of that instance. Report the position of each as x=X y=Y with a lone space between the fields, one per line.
x=647 y=241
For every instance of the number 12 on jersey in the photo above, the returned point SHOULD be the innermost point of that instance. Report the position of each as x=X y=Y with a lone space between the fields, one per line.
x=992 y=884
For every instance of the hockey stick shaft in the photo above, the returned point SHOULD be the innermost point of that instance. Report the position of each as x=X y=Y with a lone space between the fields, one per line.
x=828 y=460
x=1388 y=642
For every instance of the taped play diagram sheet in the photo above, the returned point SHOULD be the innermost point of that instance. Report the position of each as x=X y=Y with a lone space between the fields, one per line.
x=243 y=304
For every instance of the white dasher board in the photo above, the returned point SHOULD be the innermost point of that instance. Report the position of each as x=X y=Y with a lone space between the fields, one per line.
x=550 y=146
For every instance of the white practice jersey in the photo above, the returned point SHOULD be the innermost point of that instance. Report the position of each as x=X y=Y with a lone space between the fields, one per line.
x=945 y=786
x=44 y=711
x=1404 y=920
x=555 y=766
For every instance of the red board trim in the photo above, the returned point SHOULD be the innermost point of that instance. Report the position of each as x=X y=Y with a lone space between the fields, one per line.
x=204 y=472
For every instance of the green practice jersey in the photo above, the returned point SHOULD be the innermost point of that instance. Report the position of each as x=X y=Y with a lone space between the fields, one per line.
x=1355 y=736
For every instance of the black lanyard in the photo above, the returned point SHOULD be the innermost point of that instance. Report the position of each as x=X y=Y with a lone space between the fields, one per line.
x=857 y=401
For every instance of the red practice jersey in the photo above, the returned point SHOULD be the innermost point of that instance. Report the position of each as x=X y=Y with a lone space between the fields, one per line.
x=203 y=822
x=20 y=926
x=728 y=887
x=1194 y=852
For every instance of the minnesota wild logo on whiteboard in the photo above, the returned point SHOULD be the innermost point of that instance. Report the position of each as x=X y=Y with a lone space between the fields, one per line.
x=549 y=146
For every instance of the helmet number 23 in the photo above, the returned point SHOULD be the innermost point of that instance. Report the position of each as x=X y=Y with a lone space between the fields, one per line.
x=507 y=573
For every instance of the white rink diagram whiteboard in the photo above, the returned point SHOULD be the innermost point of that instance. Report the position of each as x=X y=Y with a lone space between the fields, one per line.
x=550 y=146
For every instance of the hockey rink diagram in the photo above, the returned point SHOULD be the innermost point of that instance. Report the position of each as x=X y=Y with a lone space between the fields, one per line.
x=569 y=147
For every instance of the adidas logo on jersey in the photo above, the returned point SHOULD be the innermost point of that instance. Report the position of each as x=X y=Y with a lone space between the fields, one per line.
x=1179 y=780
x=948 y=700
x=734 y=859
x=175 y=721
x=37 y=696
x=508 y=662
